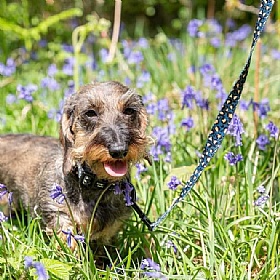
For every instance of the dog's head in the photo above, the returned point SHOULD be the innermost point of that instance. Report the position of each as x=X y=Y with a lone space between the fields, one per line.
x=104 y=125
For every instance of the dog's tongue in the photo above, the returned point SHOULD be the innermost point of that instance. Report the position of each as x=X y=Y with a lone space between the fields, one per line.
x=116 y=168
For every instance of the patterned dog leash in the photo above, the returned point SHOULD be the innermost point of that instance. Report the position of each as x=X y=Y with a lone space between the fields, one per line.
x=222 y=121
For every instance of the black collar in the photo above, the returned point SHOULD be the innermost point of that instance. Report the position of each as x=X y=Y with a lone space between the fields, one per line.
x=88 y=179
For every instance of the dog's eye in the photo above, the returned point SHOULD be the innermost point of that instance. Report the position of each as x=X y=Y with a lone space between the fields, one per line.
x=91 y=113
x=129 y=111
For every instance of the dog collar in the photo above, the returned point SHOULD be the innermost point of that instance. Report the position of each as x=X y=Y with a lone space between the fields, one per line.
x=87 y=179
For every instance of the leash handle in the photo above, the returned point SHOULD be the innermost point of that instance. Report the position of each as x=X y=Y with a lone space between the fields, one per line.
x=225 y=115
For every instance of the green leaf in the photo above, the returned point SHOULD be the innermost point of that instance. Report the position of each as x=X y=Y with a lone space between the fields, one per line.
x=59 y=269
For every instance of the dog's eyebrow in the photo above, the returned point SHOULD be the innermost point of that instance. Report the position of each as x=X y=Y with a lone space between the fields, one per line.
x=131 y=97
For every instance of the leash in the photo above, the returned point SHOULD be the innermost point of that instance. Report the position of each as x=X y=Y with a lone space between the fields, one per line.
x=224 y=117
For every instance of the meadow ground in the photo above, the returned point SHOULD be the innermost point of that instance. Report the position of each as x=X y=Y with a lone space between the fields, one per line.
x=228 y=226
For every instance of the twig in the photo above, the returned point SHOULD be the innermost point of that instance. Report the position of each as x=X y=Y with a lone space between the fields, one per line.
x=116 y=30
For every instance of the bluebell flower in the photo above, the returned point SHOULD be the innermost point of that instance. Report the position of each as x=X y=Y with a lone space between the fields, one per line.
x=153 y=269
x=3 y=218
x=25 y=92
x=261 y=200
x=135 y=57
x=8 y=69
x=207 y=69
x=188 y=123
x=56 y=194
x=68 y=234
x=140 y=168
x=11 y=98
x=68 y=66
x=28 y=262
x=104 y=54
x=244 y=105
x=273 y=129
x=174 y=183
x=70 y=89
x=3 y=190
x=236 y=129
x=188 y=96
x=40 y=271
x=52 y=70
x=261 y=189
x=275 y=54
x=50 y=83
x=127 y=194
x=216 y=82
x=169 y=244
x=143 y=79
x=215 y=42
x=67 y=48
x=193 y=28
x=117 y=190
x=262 y=108
x=143 y=43
x=233 y=159
x=262 y=142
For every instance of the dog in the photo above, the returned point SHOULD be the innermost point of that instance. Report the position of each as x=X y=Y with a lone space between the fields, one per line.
x=102 y=134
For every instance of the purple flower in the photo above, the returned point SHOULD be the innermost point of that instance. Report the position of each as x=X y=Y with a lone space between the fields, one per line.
x=68 y=66
x=261 y=189
x=244 y=105
x=52 y=70
x=188 y=95
x=233 y=159
x=174 y=183
x=104 y=53
x=50 y=83
x=8 y=69
x=3 y=190
x=127 y=193
x=261 y=200
x=236 y=129
x=149 y=263
x=70 y=89
x=11 y=98
x=143 y=79
x=153 y=269
x=118 y=189
x=77 y=237
x=262 y=142
x=56 y=194
x=207 y=69
x=275 y=54
x=135 y=57
x=143 y=43
x=170 y=244
x=28 y=261
x=140 y=168
x=3 y=218
x=25 y=92
x=188 y=123
x=193 y=28
x=262 y=108
x=215 y=42
x=69 y=237
x=273 y=129
x=41 y=271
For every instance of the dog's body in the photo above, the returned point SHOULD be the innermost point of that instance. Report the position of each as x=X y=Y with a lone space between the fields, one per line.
x=102 y=128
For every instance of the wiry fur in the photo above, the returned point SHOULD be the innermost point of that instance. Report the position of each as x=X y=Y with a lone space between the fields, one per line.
x=98 y=119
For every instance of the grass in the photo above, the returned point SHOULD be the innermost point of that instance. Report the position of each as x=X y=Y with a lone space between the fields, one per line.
x=217 y=231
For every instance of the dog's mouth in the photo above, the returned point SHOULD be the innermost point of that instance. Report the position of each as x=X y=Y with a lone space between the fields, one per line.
x=116 y=168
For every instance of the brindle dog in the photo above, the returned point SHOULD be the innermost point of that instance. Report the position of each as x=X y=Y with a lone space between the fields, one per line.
x=102 y=134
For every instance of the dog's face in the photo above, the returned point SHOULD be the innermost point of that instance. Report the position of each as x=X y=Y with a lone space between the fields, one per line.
x=104 y=125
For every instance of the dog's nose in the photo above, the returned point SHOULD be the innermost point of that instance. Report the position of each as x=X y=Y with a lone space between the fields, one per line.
x=118 y=151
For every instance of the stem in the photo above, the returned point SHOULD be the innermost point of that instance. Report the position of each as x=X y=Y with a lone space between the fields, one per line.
x=116 y=30
x=257 y=86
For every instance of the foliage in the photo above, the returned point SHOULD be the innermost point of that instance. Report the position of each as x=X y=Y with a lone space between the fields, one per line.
x=228 y=227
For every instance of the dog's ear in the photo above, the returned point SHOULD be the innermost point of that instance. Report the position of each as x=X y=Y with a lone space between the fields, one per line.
x=67 y=136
